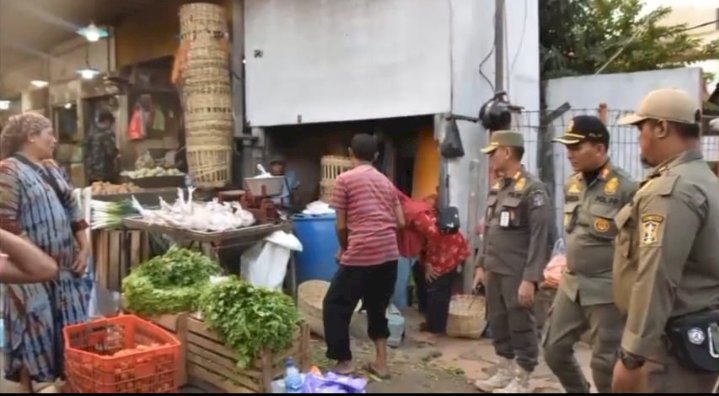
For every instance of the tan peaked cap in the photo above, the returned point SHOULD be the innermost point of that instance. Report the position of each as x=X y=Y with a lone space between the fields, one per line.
x=504 y=139
x=667 y=104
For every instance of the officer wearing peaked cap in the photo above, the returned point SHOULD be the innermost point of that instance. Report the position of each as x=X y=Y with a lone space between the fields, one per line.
x=592 y=197
x=666 y=266
x=518 y=222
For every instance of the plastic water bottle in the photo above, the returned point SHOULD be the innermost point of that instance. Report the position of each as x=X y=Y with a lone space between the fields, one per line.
x=293 y=379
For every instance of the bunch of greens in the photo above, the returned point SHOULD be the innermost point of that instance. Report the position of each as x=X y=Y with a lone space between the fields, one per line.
x=248 y=318
x=170 y=283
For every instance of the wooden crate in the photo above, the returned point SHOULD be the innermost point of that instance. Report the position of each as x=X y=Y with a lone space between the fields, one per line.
x=212 y=366
x=108 y=250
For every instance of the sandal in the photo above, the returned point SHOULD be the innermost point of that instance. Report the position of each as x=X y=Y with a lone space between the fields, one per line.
x=369 y=368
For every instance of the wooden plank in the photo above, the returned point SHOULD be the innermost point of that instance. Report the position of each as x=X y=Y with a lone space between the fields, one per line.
x=136 y=239
x=210 y=346
x=113 y=261
x=206 y=377
x=199 y=327
x=232 y=376
x=197 y=354
x=182 y=336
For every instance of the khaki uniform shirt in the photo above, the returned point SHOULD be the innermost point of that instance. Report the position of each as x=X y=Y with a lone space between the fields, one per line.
x=589 y=212
x=666 y=261
x=517 y=228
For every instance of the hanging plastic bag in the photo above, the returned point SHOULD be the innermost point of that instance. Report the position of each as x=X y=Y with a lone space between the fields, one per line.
x=265 y=264
x=451 y=146
x=136 y=129
x=557 y=265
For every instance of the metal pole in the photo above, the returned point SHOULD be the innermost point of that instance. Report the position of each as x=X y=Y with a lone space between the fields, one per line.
x=499 y=45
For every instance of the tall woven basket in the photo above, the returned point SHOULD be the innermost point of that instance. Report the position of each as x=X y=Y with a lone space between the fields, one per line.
x=207 y=95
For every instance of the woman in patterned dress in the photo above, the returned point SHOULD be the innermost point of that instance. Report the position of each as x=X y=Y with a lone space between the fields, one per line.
x=36 y=202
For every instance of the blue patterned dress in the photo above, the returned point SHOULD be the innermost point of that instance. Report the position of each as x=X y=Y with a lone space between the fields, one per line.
x=36 y=313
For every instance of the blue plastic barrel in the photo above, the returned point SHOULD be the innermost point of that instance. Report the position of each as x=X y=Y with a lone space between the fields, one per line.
x=319 y=247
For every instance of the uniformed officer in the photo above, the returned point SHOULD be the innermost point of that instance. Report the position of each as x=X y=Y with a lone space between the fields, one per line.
x=592 y=197
x=666 y=265
x=515 y=252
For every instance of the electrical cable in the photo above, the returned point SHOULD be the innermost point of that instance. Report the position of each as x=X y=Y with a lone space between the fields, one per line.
x=521 y=38
x=486 y=58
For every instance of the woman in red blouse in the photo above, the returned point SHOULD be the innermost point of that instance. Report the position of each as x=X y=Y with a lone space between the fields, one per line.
x=440 y=255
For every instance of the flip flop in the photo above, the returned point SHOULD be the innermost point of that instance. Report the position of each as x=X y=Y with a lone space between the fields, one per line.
x=369 y=368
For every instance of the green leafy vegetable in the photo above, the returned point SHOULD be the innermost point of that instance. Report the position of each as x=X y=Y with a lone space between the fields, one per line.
x=170 y=283
x=249 y=318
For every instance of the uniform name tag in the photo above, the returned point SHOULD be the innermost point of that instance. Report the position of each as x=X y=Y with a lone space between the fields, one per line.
x=504 y=219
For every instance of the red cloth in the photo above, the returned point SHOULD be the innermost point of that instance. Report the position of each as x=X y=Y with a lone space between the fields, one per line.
x=443 y=252
x=409 y=240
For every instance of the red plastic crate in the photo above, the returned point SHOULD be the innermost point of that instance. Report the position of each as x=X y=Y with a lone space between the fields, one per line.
x=90 y=366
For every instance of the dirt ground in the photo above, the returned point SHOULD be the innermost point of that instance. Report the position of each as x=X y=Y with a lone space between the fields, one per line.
x=451 y=365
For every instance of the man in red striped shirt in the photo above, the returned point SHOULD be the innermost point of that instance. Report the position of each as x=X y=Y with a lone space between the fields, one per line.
x=368 y=216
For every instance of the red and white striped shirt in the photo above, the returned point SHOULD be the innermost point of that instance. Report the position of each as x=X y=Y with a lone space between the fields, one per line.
x=370 y=200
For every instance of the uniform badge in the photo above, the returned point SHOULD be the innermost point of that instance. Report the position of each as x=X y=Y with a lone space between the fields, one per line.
x=497 y=185
x=611 y=187
x=601 y=225
x=520 y=184
x=538 y=199
x=574 y=189
x=651 y=225
x=696 y=336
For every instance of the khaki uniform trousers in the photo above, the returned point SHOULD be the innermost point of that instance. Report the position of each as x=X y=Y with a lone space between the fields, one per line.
x=568 y=321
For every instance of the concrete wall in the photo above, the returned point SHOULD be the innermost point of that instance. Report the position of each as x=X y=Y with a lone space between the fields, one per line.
x=320 y=61
x=368 y=59
x=472 y=40
x=623 y=92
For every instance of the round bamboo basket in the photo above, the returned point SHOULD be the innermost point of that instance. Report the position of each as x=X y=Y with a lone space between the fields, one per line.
x=466 y=317
x=210 y=165
x=310 y=297
x=202 y=18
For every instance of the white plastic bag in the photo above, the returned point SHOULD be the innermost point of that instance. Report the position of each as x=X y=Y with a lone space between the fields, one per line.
x=265 y=264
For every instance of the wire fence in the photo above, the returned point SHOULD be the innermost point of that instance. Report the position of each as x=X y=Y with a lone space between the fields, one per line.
x=624 y=149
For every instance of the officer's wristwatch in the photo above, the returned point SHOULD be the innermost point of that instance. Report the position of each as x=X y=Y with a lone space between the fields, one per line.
x=631 y=362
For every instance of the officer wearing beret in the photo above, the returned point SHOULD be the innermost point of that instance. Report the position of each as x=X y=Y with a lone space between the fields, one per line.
x=592 y=196
x=515 y=252
x=666 y=265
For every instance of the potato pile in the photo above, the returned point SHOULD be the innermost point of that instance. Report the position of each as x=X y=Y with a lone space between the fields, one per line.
x=105 y=188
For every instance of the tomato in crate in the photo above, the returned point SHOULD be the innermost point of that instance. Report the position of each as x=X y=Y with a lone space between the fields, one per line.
x=125 y=354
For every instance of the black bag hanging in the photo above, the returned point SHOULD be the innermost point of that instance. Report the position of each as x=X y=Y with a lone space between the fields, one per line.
x=448 y=216
x=451 y=146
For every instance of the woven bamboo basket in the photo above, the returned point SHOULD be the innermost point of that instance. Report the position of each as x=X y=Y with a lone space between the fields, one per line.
x=332 y=166
x=201 y=18
x=466 y=317
x=210 y=165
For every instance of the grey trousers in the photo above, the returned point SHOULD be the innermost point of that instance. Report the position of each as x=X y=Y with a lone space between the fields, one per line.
x=568 y=320
x=514 y=328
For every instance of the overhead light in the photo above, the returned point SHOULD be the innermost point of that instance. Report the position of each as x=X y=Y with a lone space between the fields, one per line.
x=88 y=73
x=93 y=33
x=68 y=105
x=4 y=104
x=39 y=83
